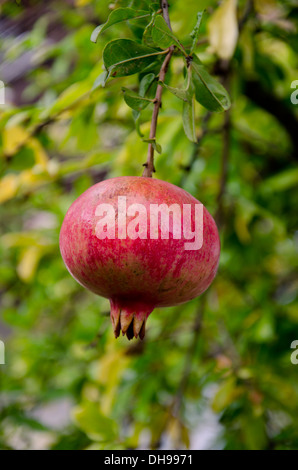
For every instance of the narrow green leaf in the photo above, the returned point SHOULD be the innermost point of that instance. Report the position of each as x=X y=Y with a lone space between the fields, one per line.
x=145 y=87
x=147 y=35
x=225 y=395
x=96 y=32
x=135 y=101
x=183 y=94
x=153 y=67
x=117 y=16
x=179 y=92
x=146 y=83
x=69 y=97
x=157 y=147
x=136 y=116
x=163 y=37
x=282 y=181
x=124 y=57
x=101 y=80
x=196 y=31
x=208 y=91
x=188 y=116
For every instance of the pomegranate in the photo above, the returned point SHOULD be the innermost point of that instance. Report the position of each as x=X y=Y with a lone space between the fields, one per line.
x=115 y=241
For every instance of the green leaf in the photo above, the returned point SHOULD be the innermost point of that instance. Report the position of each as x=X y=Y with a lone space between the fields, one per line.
x=117 y=16
x=157 y=147
x=254 y=432
x=101 y=80
x=188 y=116
x=282 y=181
x=70 y=97
x=90 y=419
x=146 y=83
x=22 y=160
x=135 y=101
x=179 y=92
x=208 y=91
x=145 y=87
x=124 y=57
x=163 y=37
x=224 y=395
x=195 y=33
x=136 y=116
x=183 y=94
x=147 y=35
x=155 y=6
x=153 y=67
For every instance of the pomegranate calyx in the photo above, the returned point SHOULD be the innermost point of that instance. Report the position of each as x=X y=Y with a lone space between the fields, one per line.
x=129 y=317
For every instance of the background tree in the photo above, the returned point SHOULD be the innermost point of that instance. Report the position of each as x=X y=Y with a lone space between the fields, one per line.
x=215 y=372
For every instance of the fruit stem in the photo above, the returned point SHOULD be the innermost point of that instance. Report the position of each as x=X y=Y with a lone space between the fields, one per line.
x=149 y=165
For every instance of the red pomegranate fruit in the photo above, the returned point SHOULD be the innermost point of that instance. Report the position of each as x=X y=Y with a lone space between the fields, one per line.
x=142 y=243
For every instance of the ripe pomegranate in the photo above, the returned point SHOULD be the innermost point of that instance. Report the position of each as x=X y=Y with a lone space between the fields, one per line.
x=110 y=248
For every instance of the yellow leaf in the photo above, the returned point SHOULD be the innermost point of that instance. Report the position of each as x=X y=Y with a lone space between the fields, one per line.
x=179 y=433
x=223 y=29
x=82 y=3
x=22 y=239
x=41 y=157
x=28 y=179
x=111 y=368
x=241 y=228
x=174 y=430
x=13 y=139
x=8 y=187
x=28 y=263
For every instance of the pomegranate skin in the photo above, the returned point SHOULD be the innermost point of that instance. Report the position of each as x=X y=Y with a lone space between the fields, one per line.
x=137 y=275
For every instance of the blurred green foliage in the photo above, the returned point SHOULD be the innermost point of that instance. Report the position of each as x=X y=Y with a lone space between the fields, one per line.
x=218 y=366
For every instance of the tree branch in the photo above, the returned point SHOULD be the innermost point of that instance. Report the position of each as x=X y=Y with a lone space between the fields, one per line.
x=149 y=165
x=165 y=11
